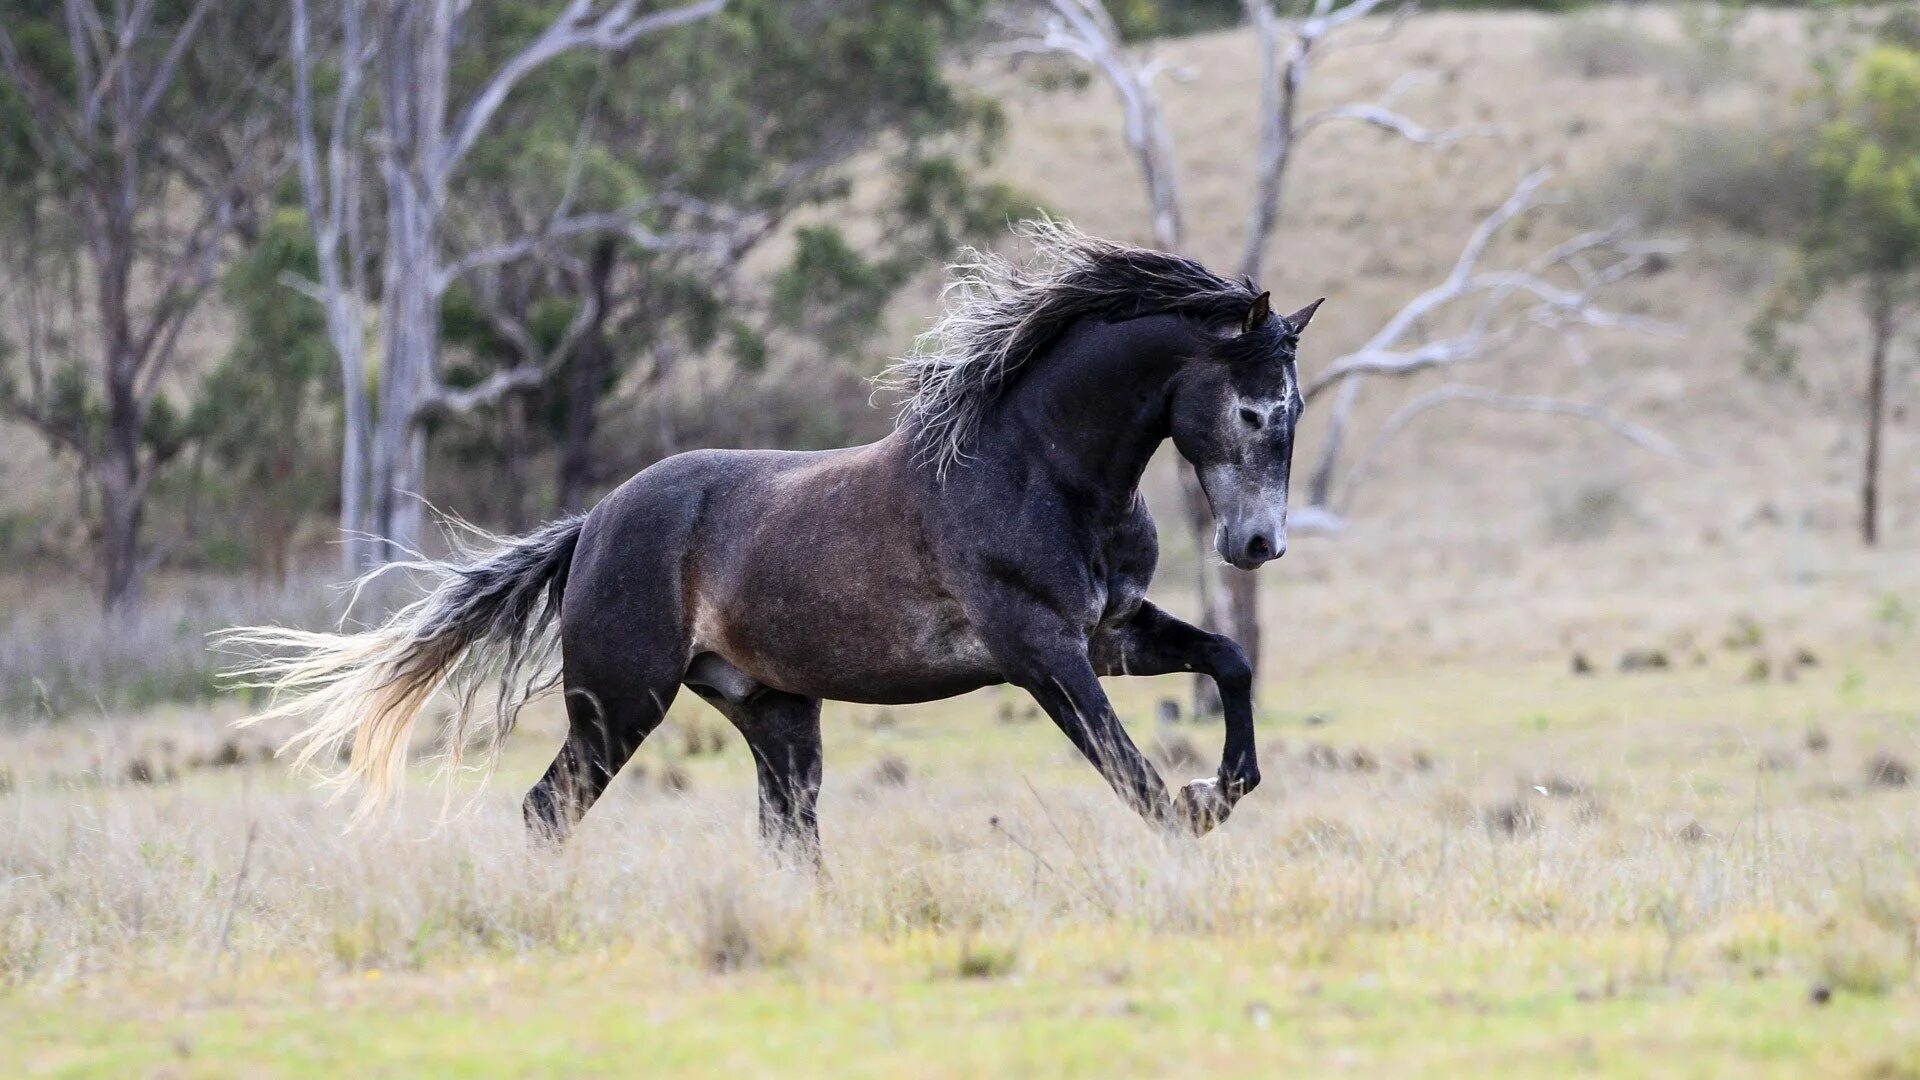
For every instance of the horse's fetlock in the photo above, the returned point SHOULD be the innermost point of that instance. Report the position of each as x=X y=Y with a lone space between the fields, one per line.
x=1241 y=781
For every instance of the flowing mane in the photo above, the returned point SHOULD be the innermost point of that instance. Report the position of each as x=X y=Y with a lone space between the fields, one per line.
x=1001 y=314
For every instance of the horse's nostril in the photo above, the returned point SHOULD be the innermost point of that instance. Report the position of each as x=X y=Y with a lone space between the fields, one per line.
x=1259 y=548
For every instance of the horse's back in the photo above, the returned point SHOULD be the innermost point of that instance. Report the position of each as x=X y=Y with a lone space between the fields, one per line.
x=652 y=533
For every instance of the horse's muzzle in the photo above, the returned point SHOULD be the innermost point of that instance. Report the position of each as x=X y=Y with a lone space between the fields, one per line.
x=1250 y=547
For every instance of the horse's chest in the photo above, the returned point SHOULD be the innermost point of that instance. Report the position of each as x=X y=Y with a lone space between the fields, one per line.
x=1118 y=596
x=1122 y=574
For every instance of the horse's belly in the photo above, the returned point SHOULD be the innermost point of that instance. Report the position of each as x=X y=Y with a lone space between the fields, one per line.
x=877 y=676
x=883 y=654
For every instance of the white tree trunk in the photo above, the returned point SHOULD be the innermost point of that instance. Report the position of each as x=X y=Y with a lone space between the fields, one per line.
x=421 y=141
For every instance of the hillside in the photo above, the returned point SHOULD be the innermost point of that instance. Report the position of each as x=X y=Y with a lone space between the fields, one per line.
x=1370 y=220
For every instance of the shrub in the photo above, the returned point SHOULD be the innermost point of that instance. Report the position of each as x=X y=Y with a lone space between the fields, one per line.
x=979 y=960
x=1752 y=177
x=1599 y=48
x=1590 y=511
x=1864 y=967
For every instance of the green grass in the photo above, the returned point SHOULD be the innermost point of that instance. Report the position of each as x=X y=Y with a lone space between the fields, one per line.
x=1119 y=1003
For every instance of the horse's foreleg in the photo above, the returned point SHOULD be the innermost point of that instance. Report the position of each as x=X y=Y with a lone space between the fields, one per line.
x=1155 y=643
x=1060 y=678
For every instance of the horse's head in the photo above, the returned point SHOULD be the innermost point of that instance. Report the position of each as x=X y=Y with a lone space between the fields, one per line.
x=1234 y=412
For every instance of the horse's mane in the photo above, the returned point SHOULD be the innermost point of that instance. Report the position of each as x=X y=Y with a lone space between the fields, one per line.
x=1001 y=314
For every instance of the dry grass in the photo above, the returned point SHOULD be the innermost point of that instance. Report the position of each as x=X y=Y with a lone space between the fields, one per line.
x=59 y=660
x=1674 y=849
x=1597 y=817
x=117 y=880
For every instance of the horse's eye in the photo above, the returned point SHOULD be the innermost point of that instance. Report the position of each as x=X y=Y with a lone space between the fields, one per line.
x=1250 y=418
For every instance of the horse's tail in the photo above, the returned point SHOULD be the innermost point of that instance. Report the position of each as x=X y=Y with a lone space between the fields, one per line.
x=491 y=614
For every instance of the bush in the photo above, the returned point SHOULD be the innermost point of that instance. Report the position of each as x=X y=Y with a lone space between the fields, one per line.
x=1140 y=19
x=1596 y=48
x=1603 y=46
x=1901 y=28
x=1754 y=178
x=1590 y=511
x=1856 y=965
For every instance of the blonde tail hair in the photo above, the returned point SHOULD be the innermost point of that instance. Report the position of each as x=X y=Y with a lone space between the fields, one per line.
x=491 y=615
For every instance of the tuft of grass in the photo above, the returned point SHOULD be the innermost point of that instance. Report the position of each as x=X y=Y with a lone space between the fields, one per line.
x=738 y=930
x=1511 y=818
x=675 y=780
x=1860 y=964
x=891 y=771
x=1755 y=943
x=1176 y=753
x=1590 y=511
x=701 y=737
x=1886 y=770
x=1817 y=741
x=983 y=960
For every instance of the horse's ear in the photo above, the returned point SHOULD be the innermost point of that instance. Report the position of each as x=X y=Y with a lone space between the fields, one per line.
x=1298 y=320
x=1258 y=313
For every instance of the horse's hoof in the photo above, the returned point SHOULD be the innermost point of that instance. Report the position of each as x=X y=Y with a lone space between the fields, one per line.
x=1202 y=805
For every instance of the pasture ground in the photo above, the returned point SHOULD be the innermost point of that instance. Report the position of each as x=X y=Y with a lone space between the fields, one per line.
x=1465 y=858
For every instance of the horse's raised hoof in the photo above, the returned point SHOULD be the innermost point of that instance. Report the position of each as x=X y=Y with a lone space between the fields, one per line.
x=1201 y=805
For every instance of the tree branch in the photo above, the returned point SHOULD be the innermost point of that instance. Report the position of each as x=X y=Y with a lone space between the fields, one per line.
x=623 y=222
x=1555 y=308
x=1381 y=116
x=1084 y=30
x=1495 y=321
x=1450 y=393
x=1283 y=83
x=576 y=27
x=163 y=74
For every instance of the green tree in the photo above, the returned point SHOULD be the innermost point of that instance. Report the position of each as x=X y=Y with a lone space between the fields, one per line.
x=688 y=131
x=1865 y=233
x=793 y=101
x=261 y=412
x=138 y=133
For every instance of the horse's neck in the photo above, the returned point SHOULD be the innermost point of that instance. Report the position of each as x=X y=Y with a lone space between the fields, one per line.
x=1095 y=408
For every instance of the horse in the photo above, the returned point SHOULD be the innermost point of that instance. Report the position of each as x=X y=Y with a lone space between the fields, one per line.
x=996 y=536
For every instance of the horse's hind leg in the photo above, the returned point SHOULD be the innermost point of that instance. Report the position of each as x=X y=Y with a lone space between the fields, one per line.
x=783 y=731
x=613 y=703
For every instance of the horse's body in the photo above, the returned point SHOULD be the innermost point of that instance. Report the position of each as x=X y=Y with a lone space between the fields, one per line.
x=998 y=535
x=746 y=525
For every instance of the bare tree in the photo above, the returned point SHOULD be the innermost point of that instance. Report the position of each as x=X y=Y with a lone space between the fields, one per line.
x=150 y=144
x=1503 y=302
x=405 y=49
x=1500 y=307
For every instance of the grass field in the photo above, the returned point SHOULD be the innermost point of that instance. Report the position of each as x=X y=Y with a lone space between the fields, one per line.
x=1455 y=865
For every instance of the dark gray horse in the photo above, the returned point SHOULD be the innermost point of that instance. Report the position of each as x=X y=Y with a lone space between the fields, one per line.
x=998 y=535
